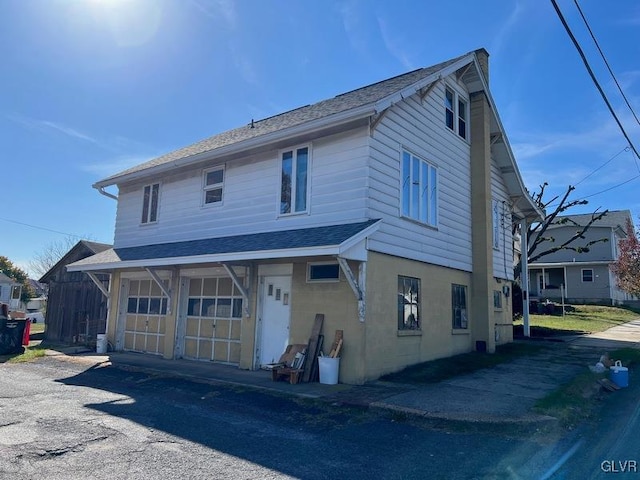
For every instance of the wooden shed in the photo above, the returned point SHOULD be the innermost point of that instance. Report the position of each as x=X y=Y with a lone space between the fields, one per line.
x=76 y=307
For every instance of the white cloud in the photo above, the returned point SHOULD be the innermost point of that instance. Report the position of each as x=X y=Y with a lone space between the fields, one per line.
x=353 y=27
x=502 y=35
x=394 y=45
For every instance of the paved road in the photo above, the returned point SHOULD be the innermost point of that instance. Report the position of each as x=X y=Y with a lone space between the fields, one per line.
x=66 y=419
x=69 y=418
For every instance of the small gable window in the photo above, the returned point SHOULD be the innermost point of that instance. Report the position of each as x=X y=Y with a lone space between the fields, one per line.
x=213 y=185
x=294 y=181
x=150 y=203
x=587 y=275
x=456 y=111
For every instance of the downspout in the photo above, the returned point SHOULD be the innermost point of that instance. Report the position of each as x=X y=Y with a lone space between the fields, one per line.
x=524 y=276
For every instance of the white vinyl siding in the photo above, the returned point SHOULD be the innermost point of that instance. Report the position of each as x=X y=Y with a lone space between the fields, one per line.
x=502 y=226
x=417 y=126
x=337 y=192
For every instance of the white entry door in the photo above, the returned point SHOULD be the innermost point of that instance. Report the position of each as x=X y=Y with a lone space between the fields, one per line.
x=276 y=311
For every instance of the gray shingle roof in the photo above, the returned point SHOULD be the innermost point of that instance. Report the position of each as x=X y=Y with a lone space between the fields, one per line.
x=254 y=242
x=613 y=219
x=341 y=103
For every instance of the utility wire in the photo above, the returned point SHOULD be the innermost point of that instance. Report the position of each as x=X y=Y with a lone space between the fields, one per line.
x=625 y=149
x=611 y=188
x=595 y=80
x=593 y=37
x=40 y=228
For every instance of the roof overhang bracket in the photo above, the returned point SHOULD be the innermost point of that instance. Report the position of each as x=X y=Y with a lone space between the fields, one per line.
x=375 y=119
x=239 y=285
x=356 y=284
x=495 y=137
x=163 y=287
x=461 y=72
x=99 y=284
x=423 y=92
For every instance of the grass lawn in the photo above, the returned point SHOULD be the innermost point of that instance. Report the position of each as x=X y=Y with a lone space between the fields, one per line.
x=585 y=319
x=37 y=328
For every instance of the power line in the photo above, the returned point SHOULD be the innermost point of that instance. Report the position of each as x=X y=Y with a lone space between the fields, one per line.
x=595 y=80
x=40 y=228
x=625 y=149
x=610 y=188
x=593 y=37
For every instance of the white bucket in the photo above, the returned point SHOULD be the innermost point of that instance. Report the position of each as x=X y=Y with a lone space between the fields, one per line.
x=329 y=368
x=101 y=343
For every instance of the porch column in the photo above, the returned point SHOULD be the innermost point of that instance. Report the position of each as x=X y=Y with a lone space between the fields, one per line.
x=524 y=276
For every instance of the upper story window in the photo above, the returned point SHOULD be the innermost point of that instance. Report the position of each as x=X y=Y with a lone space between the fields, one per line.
x=294 y=186
x=456 y=112
x=587 y=275
x=419 y=189
x=150 y=203
x=213 y=185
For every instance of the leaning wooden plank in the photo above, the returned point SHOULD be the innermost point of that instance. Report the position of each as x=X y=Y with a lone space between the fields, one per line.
x=336 y=352
x=313 y=347
x=334 y=345
x=315 y=370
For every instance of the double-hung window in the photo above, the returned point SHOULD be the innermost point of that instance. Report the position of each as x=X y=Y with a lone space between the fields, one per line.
x=294 y=186
x=150 y=203
x=456 y=111
x=587 y=275
x=213 y=185
x=419 y=189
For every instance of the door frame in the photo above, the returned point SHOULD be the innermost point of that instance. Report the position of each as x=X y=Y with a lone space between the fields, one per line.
x=271 y=270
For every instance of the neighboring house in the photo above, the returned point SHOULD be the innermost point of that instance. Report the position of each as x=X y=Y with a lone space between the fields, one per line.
x=76 y=305
x=388 y=209
x=586 y=277
x=10 y=291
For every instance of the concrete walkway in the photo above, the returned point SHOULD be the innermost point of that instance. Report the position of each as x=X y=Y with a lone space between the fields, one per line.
x=505 y=393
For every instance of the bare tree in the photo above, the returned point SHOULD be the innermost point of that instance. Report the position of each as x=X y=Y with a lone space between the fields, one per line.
x=46 y=258
x=537 y=233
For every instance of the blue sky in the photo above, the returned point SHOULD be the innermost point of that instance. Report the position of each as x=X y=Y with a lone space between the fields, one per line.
x=91 y=87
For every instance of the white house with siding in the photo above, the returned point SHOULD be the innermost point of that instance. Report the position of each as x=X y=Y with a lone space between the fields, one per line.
x=388 y=209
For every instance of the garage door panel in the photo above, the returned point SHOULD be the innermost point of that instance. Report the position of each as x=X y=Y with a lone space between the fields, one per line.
x=235 y=330
x=191 y=347
x=222 y=329
x=221 y=352
x=234 y=352
x=128 y=341
x=193 y=326
x=206 y=328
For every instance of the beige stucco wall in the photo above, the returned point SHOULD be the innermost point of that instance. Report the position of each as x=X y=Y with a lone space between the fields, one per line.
x=389 y=349
x=338 y=303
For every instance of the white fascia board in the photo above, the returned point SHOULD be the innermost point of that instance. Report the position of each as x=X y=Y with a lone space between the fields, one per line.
x=326 y=250
x=279 y=135
x=406 y=92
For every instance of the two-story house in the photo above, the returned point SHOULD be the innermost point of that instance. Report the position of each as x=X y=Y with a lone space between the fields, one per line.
x=583 y=277
x=388 y=209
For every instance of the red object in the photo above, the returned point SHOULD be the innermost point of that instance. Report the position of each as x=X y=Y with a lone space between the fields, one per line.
x=27 y=333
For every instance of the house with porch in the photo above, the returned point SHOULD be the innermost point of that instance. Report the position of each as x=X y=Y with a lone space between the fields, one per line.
x=388 y=209
x=583 y=277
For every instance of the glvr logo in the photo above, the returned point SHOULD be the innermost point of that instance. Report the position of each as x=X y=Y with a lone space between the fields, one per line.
x=619 y=466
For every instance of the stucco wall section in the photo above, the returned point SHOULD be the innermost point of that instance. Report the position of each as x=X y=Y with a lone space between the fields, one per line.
x=389 y=349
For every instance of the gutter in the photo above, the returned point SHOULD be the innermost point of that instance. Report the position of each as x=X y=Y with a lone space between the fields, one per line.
x=102 y=191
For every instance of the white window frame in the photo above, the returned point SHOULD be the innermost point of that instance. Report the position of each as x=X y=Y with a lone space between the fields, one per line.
x=459 y=116
x=214 y=186
x=322 y=280
x=582 y=275
x=426 y=210
x=148 y=212
x=294 y=180
x=458 y=311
